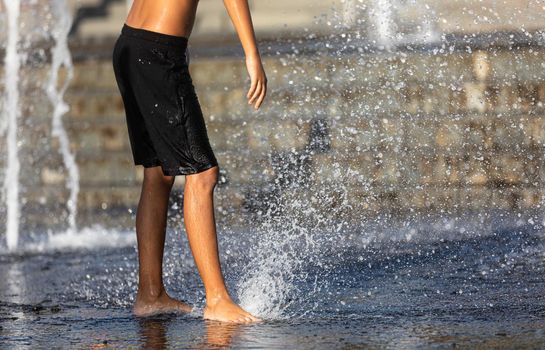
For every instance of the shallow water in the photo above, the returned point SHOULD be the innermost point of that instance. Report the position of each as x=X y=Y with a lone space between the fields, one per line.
x=439 y=287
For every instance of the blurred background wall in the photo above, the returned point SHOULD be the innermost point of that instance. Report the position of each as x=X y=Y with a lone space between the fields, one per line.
x=101 y=18
x=374 y=106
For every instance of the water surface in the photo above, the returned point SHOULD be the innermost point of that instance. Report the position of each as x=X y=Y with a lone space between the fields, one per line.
x=437 y=284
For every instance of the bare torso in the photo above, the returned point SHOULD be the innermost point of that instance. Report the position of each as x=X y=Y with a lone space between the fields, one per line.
x=173 y=17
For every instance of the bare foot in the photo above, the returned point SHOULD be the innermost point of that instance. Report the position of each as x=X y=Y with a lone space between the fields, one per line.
x=159 y=305
x=225 y=310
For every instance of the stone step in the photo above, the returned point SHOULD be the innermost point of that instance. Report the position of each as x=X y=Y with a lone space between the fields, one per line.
x=105 y=26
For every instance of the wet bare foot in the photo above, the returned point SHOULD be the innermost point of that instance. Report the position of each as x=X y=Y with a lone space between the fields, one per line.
x=159 y=305
x=225 y=310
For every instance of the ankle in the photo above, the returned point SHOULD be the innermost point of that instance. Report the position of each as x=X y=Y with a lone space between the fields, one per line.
x=213 y=299
x=150 y=293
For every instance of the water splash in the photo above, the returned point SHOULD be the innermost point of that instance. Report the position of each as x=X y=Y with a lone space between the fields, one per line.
x=293 y=237
x=61 y=58
x=9 y=124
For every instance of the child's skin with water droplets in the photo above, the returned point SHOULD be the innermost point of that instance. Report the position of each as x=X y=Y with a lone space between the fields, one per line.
x=176 y=17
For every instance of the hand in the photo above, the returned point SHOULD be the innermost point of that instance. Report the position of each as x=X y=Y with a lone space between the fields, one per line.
x=258 y=87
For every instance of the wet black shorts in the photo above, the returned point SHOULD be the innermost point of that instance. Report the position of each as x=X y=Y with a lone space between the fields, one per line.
x=164 y=118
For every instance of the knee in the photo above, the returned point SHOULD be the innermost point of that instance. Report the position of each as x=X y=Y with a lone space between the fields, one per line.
x=204 y=181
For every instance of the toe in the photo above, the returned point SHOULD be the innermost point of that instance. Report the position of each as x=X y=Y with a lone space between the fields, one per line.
x=251 y=317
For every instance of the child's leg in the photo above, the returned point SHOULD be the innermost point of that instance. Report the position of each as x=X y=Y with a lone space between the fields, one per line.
x=151 y=221
x=201 y=231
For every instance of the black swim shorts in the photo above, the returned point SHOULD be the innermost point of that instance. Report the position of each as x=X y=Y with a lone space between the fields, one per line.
x=164 y=118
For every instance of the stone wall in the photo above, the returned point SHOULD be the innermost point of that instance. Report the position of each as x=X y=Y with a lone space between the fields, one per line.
x=351 y=134
x=285 y=17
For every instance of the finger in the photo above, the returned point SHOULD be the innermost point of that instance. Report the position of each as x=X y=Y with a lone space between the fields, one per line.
x=261 y=97
x=252 y=89
x=256 y=94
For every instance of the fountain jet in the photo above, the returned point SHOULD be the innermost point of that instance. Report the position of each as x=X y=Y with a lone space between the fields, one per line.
x=11 y=113
x=61 y=58
x=54 y=87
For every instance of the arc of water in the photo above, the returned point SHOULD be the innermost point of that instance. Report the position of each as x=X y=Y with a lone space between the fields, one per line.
x=61 y=58
x=12 y=64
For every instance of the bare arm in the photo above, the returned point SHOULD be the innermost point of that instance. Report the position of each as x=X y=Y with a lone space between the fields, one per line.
x=239 y=12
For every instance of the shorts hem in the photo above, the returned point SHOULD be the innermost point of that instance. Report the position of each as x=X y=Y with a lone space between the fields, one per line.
x=177 y=171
